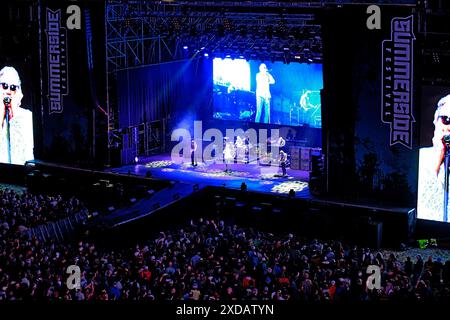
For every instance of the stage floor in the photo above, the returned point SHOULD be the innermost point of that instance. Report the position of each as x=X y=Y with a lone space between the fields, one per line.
x=266 y=179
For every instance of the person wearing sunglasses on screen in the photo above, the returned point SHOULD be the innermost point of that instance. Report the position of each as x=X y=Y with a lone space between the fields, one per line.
x=16 y=123
x=431 y=166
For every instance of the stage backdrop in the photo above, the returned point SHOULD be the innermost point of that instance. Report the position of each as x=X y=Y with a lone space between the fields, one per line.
x=178 y=89
x=73 y=82
x=369 y=122
x=179 y=92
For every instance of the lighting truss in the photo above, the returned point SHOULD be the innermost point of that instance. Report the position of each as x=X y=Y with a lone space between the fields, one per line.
x=147 y=32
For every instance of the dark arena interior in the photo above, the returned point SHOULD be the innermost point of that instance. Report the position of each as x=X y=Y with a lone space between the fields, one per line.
x=241 y=153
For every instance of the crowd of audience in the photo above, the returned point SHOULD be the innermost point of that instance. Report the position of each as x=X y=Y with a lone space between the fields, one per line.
x=205 y=260
x=22 y=210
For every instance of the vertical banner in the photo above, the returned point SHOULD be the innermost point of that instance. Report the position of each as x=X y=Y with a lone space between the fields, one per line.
x=57 y=64
x=370 y=94
x=397 y=79
x=68 y=100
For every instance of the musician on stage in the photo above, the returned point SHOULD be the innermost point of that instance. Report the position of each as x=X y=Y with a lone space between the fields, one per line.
x=247 y=148
x=193 y=156
x=282 y=159
x=242 y=149
x=228 y=154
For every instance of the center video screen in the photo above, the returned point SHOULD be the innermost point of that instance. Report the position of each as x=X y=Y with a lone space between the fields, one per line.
x=267 y=92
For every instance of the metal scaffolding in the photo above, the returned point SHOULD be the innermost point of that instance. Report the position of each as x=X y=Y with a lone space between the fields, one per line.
x=147 y=32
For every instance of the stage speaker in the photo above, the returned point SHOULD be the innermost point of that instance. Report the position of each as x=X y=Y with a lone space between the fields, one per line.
x=317 y=165
x=295 y=164
x=305 y=154
x=370 y=233
x=316 y=185
x=295 y=152
x=305 y=165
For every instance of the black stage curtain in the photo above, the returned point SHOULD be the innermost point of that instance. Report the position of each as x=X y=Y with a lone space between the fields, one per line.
x=158 y=91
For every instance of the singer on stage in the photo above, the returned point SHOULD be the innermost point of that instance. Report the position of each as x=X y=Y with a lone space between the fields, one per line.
x=263 y=81
x=16 y=130
x=432 y=167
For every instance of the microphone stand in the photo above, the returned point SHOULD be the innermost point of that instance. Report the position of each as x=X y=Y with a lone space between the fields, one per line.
x=8 y=139
x=446 y=181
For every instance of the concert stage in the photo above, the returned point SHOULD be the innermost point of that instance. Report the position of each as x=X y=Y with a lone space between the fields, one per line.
x=373 y=225
x=265 y=179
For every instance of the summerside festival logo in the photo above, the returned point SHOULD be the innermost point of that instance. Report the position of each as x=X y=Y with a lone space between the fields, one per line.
x=56 y=61
x=397 y=81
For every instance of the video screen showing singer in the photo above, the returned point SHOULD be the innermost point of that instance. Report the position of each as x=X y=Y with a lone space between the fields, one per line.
x=16 y=134
x=263 y=81
x=432 y=164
